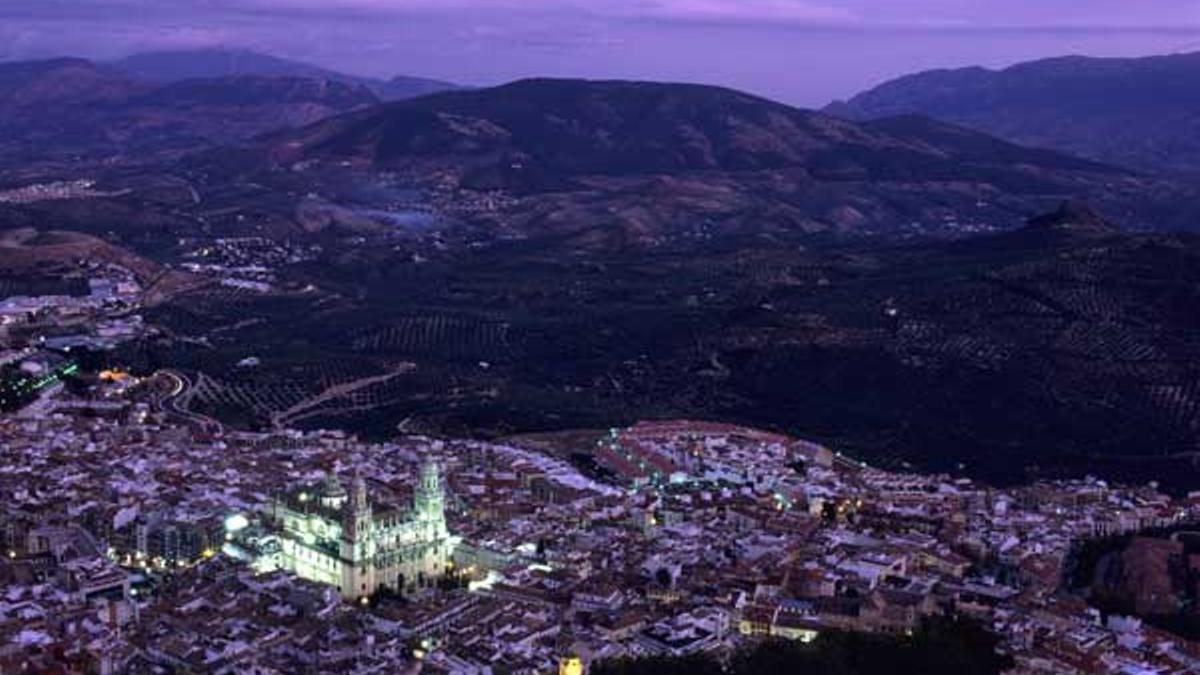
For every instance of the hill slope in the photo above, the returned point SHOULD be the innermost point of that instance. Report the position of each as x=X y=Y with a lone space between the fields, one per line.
x=575 y=127
x=27 y=85
x=71 y=108
x=1142 y=112
x=1046 y=351
x=647 y=160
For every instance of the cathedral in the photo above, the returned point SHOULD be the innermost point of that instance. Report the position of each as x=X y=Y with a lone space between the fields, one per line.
x=335 y=537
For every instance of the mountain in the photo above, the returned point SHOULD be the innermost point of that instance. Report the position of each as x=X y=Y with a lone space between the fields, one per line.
x=173 y=66
x=73 y=108
x=27 y=85
x=1137 y=112
x=574 y=127
x=1072 y=217
x=644 y=161
x=165 y=67
x=197 y=113
x=43 y=104
x=402 y=87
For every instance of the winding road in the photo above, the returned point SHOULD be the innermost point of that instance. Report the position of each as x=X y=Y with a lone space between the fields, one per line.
x=181 y=384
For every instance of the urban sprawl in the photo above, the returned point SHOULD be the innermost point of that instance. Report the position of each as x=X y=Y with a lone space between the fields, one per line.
x=140 y=539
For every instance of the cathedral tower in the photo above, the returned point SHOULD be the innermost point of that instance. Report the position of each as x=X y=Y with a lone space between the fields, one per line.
x=429 y=502
x=342 y=539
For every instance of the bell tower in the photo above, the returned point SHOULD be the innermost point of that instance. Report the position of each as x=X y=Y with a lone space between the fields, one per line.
x=361 y=503
x=429 y=502
x=357 y=513
x=358 y=549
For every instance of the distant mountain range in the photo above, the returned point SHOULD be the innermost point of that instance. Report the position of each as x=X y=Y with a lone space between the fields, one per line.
x=173 y=66
x=608 y=163
x=148 y=106
x=1138 y=112
x=76 y=108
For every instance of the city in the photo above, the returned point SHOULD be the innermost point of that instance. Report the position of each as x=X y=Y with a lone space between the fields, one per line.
x=136 y=539
x=599 y=337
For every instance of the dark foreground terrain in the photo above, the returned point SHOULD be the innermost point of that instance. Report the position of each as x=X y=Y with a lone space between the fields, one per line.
x=1044 y=351
x=939 y=646
x=1154 y=575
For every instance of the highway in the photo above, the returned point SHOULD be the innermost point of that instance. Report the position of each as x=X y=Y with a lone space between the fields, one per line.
x=181 y=384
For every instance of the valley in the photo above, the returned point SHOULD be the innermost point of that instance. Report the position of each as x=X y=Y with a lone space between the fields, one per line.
x=1037 y=352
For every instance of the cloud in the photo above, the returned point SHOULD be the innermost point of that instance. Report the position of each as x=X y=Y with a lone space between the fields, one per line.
x=917 y=14
x=743 y=10
x=14 y=42
x=757 y=10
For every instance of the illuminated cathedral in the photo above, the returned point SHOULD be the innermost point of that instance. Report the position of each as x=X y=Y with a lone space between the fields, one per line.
x=336 y=537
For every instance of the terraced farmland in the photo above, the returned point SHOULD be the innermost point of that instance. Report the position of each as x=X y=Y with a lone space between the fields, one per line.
x=1000 y=356
x=438 y=335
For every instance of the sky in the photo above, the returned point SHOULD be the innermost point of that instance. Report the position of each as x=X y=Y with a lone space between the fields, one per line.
x=803 y=52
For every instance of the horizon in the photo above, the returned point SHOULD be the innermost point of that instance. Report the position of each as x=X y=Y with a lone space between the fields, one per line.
x=231 y=48
x=805 y=54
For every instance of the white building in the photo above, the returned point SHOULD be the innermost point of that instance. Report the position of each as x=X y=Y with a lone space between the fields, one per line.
x=337 y=538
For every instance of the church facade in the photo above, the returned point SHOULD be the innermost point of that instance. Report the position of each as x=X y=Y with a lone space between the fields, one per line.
x=334 y=536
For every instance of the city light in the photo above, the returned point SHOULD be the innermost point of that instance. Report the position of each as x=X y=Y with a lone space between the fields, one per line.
x=236 y=523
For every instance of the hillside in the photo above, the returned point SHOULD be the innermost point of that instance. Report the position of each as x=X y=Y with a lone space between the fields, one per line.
x=573 y=127
x=1008 y=356
x=645 y=160
x=27 y=85
x=1140 y=112
x=28 y=253
x=72 y=108
x=232 y=108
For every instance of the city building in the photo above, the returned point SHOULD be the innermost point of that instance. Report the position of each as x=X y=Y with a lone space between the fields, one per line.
x=338 y=538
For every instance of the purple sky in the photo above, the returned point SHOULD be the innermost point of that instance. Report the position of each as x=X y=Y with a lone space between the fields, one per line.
x=804 y=52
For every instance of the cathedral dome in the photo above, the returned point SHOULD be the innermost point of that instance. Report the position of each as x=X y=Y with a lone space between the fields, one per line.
x=333 y=493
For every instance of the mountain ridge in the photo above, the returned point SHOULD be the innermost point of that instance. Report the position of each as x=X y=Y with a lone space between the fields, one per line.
x=71 y=107
x=648 y=160
x=1138 y=112
x=701 y=127
x=165 y=67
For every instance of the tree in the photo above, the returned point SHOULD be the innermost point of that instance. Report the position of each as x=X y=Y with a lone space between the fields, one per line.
x=663 y=577
x=941 y=646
